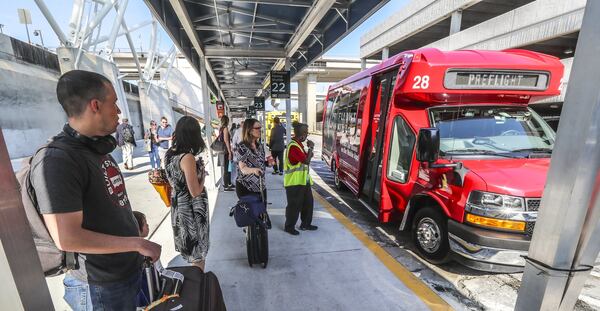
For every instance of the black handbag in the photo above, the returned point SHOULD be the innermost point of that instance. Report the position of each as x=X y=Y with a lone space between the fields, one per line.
x=219 y=144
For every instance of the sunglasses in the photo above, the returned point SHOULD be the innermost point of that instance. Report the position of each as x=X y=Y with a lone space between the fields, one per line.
x=257 y=128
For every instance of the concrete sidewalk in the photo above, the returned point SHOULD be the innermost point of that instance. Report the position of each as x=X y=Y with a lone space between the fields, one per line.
x=328 y=269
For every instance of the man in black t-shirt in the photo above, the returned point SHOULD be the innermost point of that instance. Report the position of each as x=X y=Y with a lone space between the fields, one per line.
x=81 y=193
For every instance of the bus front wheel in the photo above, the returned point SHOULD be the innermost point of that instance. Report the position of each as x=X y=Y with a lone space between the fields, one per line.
x=430 y=235
x=336 y=178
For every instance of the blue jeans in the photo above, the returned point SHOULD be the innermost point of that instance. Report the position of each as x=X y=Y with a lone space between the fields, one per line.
x=82 y=296
x=154 y=158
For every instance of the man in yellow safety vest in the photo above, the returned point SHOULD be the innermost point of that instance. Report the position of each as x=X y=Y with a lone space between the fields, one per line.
x=297 y=181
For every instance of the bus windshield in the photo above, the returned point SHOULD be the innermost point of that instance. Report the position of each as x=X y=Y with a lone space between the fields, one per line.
x=503 y=131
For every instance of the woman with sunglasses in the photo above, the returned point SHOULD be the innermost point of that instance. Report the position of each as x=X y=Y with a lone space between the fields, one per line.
x=250 y=155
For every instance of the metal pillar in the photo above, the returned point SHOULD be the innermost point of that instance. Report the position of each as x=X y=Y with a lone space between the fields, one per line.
x=568 y=227
x=23 y=283
x=363 y=64
x=288 y=111
x=455 y=21
x=385 y=53
x=207 y=118
x=110 y=45
x=50 y=18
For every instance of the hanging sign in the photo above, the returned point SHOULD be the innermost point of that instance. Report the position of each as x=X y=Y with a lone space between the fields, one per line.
x=280 y=84
x=220 y=108
x=259 y=103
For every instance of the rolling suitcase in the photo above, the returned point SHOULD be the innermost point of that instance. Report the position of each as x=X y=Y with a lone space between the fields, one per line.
x=257 y=239
x=192 y=290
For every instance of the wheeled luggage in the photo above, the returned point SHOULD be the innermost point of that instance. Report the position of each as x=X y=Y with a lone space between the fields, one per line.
x=198 y=290
x=257 y=238
x=257 y=244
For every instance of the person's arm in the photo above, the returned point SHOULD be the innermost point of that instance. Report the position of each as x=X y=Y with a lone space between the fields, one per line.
x=227 y=143
x=66 y=231
x=246 y=170
x=194 y=184
x=310 y=153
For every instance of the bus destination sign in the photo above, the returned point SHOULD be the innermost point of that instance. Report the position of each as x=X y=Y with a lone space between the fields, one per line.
x=496 y=80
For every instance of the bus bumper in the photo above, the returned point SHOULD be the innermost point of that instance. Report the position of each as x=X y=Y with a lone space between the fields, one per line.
x=487 y=250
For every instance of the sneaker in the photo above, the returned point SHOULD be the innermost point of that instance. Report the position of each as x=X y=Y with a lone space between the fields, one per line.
x=230 y=188
x=280 y=173
x=292 y=231
x=275 y=172
x=309 y=228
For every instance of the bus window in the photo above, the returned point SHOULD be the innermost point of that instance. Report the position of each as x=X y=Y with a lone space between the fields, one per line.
x=351 y=122
x=402 y=142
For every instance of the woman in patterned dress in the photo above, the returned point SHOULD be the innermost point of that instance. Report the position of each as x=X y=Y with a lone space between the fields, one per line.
x=250 y=155
x=189 y=211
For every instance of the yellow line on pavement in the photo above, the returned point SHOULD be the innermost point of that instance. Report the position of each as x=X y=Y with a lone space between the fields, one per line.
x=427 y=295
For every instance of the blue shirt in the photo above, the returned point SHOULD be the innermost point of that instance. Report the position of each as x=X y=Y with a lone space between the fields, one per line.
x=164 y=132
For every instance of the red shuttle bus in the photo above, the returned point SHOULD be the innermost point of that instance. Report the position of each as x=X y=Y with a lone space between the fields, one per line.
x=445 y=143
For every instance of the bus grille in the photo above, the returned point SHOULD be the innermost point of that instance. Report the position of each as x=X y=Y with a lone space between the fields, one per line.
x=529 y=228
x=533 y=204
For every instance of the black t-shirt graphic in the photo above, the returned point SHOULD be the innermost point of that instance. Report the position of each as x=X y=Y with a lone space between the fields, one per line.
x=62 y=185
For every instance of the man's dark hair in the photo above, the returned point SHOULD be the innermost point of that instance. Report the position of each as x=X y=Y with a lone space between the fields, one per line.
x=276 y=120
x=77 y=87
x=300 y=128
x=187 y=138
x=164 y=118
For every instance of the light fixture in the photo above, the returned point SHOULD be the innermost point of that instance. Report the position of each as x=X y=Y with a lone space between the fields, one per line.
x=241 y=97
x=568 y=51
x=246 y=72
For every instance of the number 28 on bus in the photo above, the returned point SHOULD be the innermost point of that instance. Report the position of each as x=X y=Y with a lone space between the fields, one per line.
x=445 y=144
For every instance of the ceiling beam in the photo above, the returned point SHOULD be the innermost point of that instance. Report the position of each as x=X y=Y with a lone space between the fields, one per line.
x=183 y=17
x=309 y=22
x=299 y=3
x=241 y=86
x=236 y=29
x=220 y=52
x=244 y=12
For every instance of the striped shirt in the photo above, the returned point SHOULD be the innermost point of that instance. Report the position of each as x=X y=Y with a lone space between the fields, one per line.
x=252 y=158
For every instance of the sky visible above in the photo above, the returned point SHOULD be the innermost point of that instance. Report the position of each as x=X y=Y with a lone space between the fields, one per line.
x=138 y=12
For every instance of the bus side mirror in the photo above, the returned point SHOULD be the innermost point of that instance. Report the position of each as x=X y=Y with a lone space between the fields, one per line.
x=428 y=145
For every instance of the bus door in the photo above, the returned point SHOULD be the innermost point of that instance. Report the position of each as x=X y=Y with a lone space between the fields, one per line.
x=384 y=85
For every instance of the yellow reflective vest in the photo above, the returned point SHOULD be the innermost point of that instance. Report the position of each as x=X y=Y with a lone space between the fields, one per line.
x=295 y=175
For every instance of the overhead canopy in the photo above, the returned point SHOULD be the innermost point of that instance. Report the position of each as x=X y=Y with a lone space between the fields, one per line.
x=257 y=35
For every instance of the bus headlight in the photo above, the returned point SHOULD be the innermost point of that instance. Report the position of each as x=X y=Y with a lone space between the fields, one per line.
x=498 y=211
x=494 y=201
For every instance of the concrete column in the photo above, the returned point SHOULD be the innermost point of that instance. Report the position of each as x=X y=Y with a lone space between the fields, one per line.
x=455 y=21
x=307 y=101
x=363 y=64
x=385 y=53
x=303 y=98
x=311 y=96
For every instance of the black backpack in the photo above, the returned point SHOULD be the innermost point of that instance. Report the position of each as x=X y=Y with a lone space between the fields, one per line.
x=128 y=134
x=54 y=261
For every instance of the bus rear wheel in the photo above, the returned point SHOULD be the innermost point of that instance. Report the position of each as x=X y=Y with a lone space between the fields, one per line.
x=430 y=235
